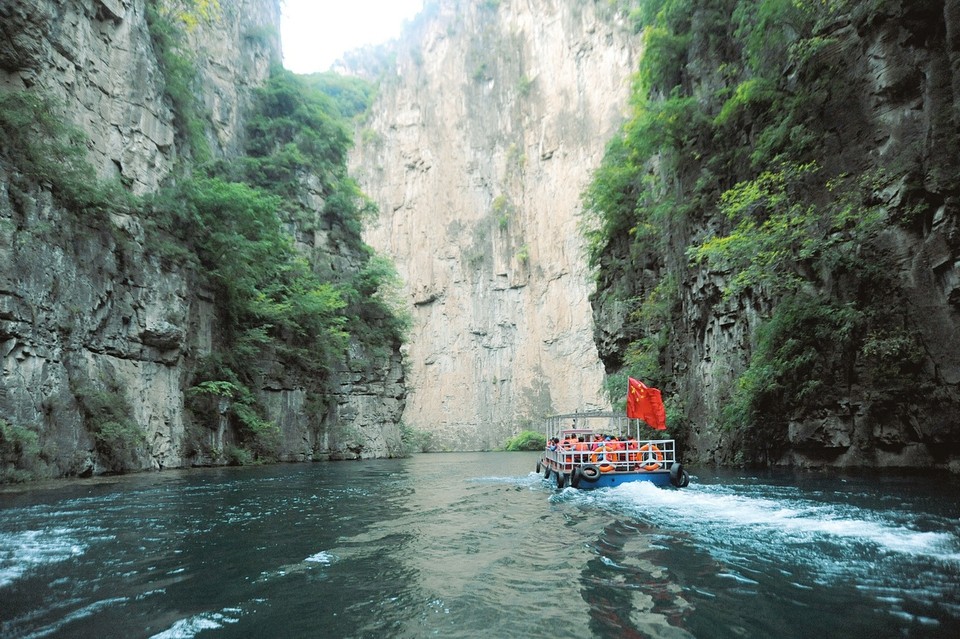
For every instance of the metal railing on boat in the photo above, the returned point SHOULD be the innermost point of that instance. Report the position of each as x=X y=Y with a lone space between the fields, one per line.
x=621 y=456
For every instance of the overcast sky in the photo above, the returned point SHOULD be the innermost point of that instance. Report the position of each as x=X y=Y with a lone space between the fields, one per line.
x=316 y=33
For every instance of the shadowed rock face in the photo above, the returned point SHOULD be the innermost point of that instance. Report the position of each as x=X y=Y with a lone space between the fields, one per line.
x=85 y=307
x=478 y=148
x=898 y=110
x=907 y=61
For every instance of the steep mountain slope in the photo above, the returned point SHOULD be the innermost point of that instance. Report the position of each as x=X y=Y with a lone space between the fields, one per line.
x=481 y=141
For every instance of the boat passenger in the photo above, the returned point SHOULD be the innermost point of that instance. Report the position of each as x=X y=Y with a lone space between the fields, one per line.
x=581 y=444
x=633 y=452
x=614 y=444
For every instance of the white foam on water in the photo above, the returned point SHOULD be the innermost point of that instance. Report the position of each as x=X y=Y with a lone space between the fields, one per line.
x=76 y=615
x=706 y=510
x=192 y=626
x=22 y=551
x=322 y=557
x=892 y=553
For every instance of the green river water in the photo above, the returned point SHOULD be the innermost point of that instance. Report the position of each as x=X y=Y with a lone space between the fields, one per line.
x=478 y=545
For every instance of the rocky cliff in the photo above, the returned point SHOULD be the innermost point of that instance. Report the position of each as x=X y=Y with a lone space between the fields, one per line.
x=781 y=254
x=803 y=214
x=477 y=150
x=93 y=322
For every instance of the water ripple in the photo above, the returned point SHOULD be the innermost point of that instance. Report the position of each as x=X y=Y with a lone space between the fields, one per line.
x=461 y=545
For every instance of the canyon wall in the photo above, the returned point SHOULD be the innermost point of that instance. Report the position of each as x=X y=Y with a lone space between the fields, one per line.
x=859 y=365
x=478 y=147
x=488 y=125
x=87 y=311
x=486 y=131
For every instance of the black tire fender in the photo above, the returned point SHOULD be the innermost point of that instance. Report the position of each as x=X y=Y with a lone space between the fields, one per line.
x=575 y=478
x=589 y=472
x=678 y=476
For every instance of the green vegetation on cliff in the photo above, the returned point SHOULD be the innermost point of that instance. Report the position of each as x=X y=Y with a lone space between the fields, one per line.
x=288 y=305
x=745 y=158
x=239 y=219
x=49 y=151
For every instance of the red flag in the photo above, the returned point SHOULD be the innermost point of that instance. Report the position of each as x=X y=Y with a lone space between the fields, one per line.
x=645 y=403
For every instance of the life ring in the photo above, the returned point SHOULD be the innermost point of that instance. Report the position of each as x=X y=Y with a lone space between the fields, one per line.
x=589 y=472
x=607 y=455
x=606 y=467
x=652 y=457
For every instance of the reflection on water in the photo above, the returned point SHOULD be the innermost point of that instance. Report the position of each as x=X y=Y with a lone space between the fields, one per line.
x=467 y=545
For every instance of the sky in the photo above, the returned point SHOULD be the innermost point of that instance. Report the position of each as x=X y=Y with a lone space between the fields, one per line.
x=315 y=33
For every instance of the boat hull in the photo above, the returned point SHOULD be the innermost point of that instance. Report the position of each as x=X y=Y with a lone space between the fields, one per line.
x=572 y=475
x=608 y=480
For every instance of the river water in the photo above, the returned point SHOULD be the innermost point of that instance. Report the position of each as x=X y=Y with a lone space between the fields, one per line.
x=478 y=545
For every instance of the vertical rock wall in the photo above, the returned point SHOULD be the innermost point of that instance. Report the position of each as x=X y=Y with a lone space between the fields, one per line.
x=905 y=63
x=899 y=62
x=86 y=311
x=96 y=59
x=478 y=149
x=81 y=304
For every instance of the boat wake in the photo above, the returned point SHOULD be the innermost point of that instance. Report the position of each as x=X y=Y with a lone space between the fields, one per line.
x=715 y=511
x=773 y=532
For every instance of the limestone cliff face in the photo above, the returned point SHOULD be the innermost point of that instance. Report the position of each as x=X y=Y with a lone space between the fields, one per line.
x=88 y=55
x=86 y=308
x=901 y=64
x=478 y=148
x=906 y=59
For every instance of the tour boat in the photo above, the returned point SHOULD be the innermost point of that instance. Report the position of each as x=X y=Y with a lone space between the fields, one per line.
x=598 y=450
